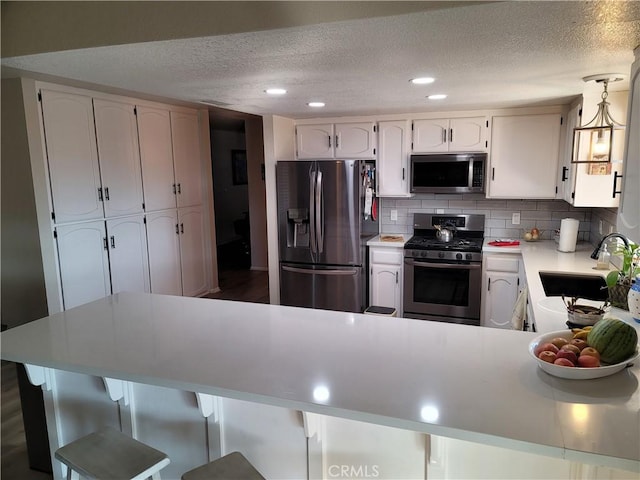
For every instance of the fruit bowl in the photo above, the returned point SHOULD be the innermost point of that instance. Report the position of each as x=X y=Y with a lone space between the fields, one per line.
x=576 y=373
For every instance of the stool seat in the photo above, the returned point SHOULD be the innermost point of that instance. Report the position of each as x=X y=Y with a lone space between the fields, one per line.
x=109 y=454
x=233 y=466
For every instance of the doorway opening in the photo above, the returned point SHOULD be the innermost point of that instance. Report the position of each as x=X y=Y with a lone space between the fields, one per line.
x=237 y=157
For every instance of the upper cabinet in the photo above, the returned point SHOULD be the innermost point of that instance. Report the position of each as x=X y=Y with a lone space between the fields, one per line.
x=74 y=173
x=156 y=155
x=186 y=158
x=393 y=158
x=340 y=140
x=629 y=211
x=450 y=135
x=524 y=156
x=117 y=136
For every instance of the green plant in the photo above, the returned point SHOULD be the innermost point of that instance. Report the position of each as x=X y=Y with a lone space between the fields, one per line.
x=630 y=265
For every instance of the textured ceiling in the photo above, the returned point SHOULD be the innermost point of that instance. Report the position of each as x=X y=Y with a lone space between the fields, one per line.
x=486 y=55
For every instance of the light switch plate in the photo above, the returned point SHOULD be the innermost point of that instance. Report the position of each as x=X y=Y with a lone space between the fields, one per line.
x=394 y=214
x=515 y=218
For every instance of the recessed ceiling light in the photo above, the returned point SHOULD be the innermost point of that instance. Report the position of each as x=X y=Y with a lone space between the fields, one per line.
x=422 y=80
x=316 y=104
x=275 y=91
x=437 y=96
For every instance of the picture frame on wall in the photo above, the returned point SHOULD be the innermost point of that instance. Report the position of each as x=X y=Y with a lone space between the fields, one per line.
x=239 y=167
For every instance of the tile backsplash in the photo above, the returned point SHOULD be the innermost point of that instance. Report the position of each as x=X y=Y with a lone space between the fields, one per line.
x=546 y=215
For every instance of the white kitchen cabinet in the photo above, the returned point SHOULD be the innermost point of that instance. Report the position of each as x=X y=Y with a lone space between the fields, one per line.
x=192 y=253
x=74 y=172
x=524 y=156
x=393 y=158
x=164 y=252
x=629 y=211
x=501 y=284
x=119 y=156
x=341 y=140
x=84 y=262
x=566 y=170
x=386 y=277
x=449 y=135
x=128 y=257
x=186 y=158
x=156 y=155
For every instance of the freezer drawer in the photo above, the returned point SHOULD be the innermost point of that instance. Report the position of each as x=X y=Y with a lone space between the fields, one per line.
x=328 y=288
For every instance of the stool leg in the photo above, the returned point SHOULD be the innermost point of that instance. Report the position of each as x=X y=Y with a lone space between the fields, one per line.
x=156 y=476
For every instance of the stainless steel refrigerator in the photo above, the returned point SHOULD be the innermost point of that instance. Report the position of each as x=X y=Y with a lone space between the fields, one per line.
x=326 y=213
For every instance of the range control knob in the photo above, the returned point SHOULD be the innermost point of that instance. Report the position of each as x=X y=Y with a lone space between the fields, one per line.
x=423 y=254
x=468 y=256
x=458 y=256
x=440 y=254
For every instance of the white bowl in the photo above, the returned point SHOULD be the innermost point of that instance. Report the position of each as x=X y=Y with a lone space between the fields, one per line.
x=585 y=319
x=576 y=373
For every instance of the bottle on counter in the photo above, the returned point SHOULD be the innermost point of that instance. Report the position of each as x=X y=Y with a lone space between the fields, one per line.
x=604 y=258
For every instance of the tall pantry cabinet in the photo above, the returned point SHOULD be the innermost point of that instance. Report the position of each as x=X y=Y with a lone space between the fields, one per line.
x=126 y=195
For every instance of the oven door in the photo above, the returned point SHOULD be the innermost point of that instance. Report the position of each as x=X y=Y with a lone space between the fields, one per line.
x=442 y=291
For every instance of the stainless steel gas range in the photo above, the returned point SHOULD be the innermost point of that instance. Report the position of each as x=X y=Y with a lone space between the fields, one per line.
x=442 y=279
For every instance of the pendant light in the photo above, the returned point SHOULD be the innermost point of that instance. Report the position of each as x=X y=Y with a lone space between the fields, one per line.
x=593 y=142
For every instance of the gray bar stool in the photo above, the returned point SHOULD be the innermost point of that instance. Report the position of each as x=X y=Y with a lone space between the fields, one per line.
x=233 y=466
x=108 y=454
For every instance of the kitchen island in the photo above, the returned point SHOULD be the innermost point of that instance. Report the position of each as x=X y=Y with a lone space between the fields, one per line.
x=457 y=381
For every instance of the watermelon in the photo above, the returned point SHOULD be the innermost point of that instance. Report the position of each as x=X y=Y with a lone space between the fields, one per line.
x=614 y=339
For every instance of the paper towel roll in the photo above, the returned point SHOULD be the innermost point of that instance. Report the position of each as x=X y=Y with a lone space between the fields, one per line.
x=568 y=234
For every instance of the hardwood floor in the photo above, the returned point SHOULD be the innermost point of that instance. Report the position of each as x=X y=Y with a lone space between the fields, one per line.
x=243 y=285
x=15 y=463
x=235 y=284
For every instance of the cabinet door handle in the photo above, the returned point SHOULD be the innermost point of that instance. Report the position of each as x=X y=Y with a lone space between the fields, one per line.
x=113 y=241
x=174 y=189
x=493 y=173
x=444 y=135
x=565 y=177
x=182 y=228
x=100 y=194
x=337 y=141
x=451 y=135
x=180 y=188
x=177 y=229
x=106 y=246
x=488 y=284
x=403 y=174
x=106 y=193
x=396 y=278
x=615 y=183
x=329 y=140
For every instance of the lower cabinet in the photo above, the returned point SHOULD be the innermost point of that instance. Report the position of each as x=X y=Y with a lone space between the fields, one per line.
x=386 y=277
x=99 y=258
x=176 y=251
x=84 y=262
x=502 y=280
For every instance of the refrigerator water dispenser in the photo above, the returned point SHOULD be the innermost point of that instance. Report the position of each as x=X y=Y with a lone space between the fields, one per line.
x=298 y=227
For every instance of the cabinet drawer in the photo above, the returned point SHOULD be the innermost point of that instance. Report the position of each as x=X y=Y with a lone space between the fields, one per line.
x=389 y=257
x=502 y=264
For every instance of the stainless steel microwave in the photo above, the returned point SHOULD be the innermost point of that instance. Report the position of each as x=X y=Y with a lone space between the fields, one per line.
x=448 y=173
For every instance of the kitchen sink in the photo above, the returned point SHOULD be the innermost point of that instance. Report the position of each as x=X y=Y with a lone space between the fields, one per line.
x=592 y=287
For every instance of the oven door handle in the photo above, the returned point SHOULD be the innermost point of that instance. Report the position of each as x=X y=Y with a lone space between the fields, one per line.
x=456 y=266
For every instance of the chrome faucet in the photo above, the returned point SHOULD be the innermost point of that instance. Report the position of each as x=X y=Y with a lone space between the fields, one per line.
x=624 y=239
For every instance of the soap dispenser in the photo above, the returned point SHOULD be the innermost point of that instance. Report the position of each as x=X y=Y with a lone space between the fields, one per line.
x=603 y=259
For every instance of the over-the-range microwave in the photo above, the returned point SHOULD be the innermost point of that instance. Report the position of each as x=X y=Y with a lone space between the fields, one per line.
x=448 y=173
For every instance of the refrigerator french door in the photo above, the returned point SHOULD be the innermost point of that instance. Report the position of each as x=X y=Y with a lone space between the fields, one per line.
x=324 y=220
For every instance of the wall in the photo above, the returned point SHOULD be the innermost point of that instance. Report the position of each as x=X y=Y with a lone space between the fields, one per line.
x=257 y=193
x=23 y=295
x=546 y=215
x=231 y=201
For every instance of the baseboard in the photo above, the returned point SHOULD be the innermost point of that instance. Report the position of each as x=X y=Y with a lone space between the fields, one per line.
x=215 y=290
x=261 y=269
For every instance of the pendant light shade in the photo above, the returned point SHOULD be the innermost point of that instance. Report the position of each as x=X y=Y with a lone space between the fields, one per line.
x=600 y=140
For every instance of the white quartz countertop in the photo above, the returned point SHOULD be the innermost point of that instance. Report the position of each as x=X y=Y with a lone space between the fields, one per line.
x=460 y=381
x=379 y=240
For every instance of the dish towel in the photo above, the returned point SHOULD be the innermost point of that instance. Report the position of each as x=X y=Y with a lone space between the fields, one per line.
x=520 y=310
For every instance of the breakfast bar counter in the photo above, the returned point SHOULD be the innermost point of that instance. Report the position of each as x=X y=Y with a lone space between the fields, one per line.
x=457 y=381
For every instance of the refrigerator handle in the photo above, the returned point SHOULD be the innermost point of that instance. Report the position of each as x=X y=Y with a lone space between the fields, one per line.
x=312 y=210
x=319 y=213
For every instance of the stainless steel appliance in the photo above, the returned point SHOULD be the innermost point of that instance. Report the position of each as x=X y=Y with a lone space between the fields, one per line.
x=442 y=280
x=326 y=213
x=448 y=173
